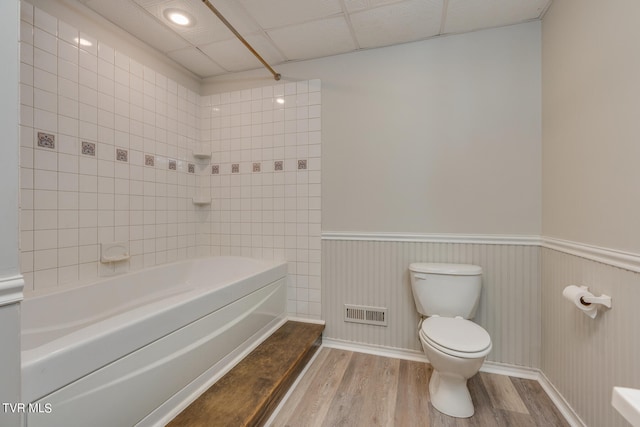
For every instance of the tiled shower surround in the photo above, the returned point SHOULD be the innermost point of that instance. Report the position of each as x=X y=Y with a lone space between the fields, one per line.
x=107 y=154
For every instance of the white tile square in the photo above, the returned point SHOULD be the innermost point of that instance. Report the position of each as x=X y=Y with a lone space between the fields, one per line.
x=45 y=220
x=45 y=160
x=26 y=32
x=68 y=70
x=106 y=53
x=26 y=53
x=26 y=12
x=88 y=44
x=26 y=74
x=67 y=238
x=45 y=239
x=46 y=22
x=45 y=80
x=68 y=88
x=45 y=120
x=68 y=200
x=67 y=33
x=68 y=52
x=67 y=275
x=45 y=41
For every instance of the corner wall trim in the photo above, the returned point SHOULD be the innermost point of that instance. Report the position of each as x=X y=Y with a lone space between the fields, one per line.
x=481 y=239
x=11 y=289
x=626 y=260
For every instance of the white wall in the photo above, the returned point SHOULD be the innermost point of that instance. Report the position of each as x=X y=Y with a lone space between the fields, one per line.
x=439 y=136
x=591 y=130
x=591 y=99
x=10 y=279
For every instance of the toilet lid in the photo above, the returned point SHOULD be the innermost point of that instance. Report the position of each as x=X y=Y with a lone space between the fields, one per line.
x=457 y=334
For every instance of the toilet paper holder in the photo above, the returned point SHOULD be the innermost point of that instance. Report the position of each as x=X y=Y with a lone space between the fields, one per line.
x=592 y=299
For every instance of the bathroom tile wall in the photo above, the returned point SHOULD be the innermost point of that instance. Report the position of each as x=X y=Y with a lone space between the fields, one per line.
x=265 y=182
x=98 y=132
x=107 y=154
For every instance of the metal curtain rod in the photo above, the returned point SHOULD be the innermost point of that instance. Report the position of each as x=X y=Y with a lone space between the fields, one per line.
x=239 y=36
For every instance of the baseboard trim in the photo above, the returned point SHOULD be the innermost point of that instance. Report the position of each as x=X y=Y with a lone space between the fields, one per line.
x=489 y=367
x=561 y=403
x=11 y=288
x=305 y=320
x=396 y=353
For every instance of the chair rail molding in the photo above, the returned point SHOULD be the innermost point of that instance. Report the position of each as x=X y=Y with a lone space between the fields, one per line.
x=616 y=258
x=481 y=239
x=11 y=288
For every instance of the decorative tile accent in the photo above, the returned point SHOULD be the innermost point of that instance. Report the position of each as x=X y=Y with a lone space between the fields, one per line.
x=172 y=165
x=149 y=160
x=122 y=155
x=46 y=140
x=215 y=169
x=278 y=165
x=256 y=167
x=302 y=164
x=235 y=168
x=88 y=148
x=192 y=168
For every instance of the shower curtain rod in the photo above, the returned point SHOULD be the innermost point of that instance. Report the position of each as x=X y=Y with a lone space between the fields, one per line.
x=239 y=36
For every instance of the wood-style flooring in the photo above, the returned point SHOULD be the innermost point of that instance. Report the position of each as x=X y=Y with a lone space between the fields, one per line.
x=343 y=388
x=249 y=392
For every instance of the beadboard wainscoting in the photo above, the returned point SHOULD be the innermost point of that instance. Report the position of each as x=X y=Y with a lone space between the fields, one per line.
x=583 y=357
x=373 y=270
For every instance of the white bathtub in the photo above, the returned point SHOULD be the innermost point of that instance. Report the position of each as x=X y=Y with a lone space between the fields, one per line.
x=135 y=349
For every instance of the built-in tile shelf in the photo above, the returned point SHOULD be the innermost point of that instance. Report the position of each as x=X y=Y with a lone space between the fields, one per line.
x=201 y=201
x=201 y=155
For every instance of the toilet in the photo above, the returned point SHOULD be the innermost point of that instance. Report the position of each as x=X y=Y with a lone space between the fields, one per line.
x=446 y=296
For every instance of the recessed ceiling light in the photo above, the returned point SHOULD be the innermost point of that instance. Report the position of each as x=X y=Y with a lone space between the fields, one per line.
x=179 y=17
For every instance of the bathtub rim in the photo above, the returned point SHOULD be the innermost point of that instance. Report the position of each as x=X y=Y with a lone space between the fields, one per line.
x=92 y=353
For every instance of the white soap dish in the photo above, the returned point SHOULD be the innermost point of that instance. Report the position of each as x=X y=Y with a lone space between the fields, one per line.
x=114 y=252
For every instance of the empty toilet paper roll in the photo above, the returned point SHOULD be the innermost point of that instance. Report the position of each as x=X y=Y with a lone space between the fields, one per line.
x=575 y=294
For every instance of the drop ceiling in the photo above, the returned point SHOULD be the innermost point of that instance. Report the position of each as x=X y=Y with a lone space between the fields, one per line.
x=293 y=30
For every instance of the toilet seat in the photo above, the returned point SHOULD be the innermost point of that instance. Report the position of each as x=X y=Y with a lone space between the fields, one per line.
x=456 y=336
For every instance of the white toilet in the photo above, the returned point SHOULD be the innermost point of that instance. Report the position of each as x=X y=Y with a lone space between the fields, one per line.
x=446 y=295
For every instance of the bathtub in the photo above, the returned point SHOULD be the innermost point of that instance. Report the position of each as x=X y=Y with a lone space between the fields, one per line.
x=138 y=348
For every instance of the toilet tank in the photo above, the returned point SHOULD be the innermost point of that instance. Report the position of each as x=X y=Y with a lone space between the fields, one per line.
x=446 y=289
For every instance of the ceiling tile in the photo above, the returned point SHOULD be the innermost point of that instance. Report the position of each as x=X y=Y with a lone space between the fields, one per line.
x=133 y=19
x=234 y=56
x=355 y=5
x=196 y=61
x=278 y=13
x=314 y=39
x=397 y=23
x=465 y=15
x=207 y=28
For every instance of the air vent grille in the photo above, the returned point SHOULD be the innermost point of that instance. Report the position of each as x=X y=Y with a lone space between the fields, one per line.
x=364 y=314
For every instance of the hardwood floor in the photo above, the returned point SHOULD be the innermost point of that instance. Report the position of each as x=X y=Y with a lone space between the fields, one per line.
x=343 y=388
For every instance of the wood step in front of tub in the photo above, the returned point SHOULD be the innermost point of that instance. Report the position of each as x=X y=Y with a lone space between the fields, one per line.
x=249 y=392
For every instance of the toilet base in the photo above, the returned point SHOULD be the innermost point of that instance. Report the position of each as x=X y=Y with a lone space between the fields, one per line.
x=450 y=395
